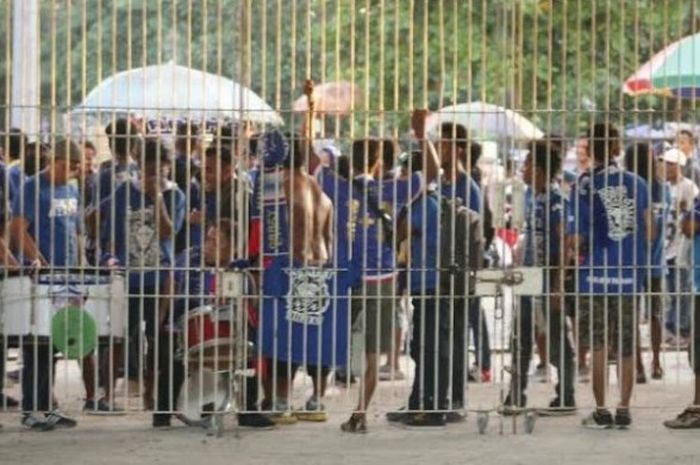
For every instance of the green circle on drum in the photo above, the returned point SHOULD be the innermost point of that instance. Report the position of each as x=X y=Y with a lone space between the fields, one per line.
x=74 y=332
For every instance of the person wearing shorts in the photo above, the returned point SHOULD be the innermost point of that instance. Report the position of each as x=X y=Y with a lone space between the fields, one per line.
x=612 y=228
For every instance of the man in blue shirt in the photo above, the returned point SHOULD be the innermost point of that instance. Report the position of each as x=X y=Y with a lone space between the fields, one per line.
x=137 y=229
x=44 y=231
x=456 y=183
x=124 y=140
x=612 y=229
x=543 y=247
x=690 y=417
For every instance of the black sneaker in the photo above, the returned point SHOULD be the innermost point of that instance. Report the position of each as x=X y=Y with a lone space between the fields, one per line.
x=426 y=421
x=255 y=420
x=557 y=408
x=397 y=416
x=623 y=420
x=598 y=419
x=161 y=420
x=688 y=419
x=36 y=423
x=57 y=419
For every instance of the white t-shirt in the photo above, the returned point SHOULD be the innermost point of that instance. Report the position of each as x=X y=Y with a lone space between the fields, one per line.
x=682 y=199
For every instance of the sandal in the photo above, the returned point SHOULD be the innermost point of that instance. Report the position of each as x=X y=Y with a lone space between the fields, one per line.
x=357 y=423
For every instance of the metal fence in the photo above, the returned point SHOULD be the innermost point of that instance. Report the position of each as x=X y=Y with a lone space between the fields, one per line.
x=214 y=207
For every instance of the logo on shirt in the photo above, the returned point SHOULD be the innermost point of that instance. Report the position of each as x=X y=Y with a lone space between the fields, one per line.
x=143 y=243
x=63 y=207
x=308 y=297
x=620 y=211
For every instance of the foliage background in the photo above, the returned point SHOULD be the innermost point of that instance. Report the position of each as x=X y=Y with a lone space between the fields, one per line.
x=561 y=62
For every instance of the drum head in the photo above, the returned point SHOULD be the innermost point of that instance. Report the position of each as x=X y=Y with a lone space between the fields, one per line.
x=74 y=332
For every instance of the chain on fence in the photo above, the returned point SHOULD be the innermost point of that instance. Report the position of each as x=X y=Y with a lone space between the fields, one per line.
x=285 y=209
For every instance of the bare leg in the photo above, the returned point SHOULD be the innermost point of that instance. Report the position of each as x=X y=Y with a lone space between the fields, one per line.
x=600 y=368
x=627 y=381
x=655 y=343
x=368 y=383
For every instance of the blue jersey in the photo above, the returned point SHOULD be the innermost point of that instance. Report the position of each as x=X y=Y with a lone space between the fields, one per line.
x=695 y=217
x=399 y=192
x=194 y=231
x=661 y=209
x=15 y=178
x=53 y=214
x=465 y=189
x=131 y=234
x=110 y=176
x=424 y=220
x=611 y=223
x=544 y=215
x=194 y=282
x=305 y=309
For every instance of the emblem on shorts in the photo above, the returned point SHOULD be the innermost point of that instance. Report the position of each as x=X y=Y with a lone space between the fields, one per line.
x=308 y=297
x=620 y=211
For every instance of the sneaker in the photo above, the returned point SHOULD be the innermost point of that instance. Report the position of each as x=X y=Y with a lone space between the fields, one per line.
x=478 y=376
x=101 y=407
x=343 y=378
x=455 y=416
x=36 y=423
x=389 y=373
x=161 y=420
x=357 y=424
x=255 y=421
x=426 y=421
x=598 y=419
x=657 y=372
x=57 y=419
x=280 y=414
x=314 y=410
x=688 y=419
x=641 y=377
x=397 y=416
x=623 y=419
x=8 y=402
x=557 y=408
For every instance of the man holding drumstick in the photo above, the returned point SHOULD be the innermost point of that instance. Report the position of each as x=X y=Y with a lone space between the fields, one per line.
x=44 y=231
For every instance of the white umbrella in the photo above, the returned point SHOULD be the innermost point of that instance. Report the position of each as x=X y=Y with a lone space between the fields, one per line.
x=174 y=91
x=485 y=121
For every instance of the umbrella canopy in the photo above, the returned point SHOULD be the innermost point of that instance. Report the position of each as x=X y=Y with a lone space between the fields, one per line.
x=333 y=98
x=485 y=121
x=674 y=71
x=174 y=91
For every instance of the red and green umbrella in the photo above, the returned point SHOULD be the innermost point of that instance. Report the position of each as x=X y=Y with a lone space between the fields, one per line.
x=674 y=71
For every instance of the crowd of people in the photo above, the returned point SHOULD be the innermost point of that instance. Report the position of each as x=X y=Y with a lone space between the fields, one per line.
x=339 y=250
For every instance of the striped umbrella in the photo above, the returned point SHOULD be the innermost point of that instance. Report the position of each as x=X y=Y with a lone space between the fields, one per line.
x=674 y=71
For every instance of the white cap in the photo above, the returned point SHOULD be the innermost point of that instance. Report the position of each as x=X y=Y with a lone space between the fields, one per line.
x=674 y=155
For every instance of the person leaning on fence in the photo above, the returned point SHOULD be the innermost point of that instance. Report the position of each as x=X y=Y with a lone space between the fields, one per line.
x=457 y=183
x=136 y=232
x=44 y=231
x=543 y=245
x=690 y=417
x=194 y=286
x=612 y=229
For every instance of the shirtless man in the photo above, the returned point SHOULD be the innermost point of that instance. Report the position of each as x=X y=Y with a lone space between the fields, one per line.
x=308 y=232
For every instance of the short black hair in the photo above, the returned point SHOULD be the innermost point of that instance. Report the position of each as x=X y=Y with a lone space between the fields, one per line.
x=89 y=145
x=343 y=166
x=296 y=158
x=222 y=153
x=123 y=136
x=365 y=153
x=546 y=156
x=456 y=133
x=154 y=150
x=639 y=159
x=602 y=138
x=15 y=142
x=389 y=151
x=687 y=132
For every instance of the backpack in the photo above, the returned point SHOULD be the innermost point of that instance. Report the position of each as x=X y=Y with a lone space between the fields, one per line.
x=461 y=247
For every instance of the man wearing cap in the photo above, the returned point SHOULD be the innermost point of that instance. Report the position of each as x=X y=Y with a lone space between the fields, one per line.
x=683 y=193
x=137 y=230
x=44 y=232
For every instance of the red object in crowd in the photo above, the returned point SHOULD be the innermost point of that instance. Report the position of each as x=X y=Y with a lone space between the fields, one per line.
x=509 y=236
